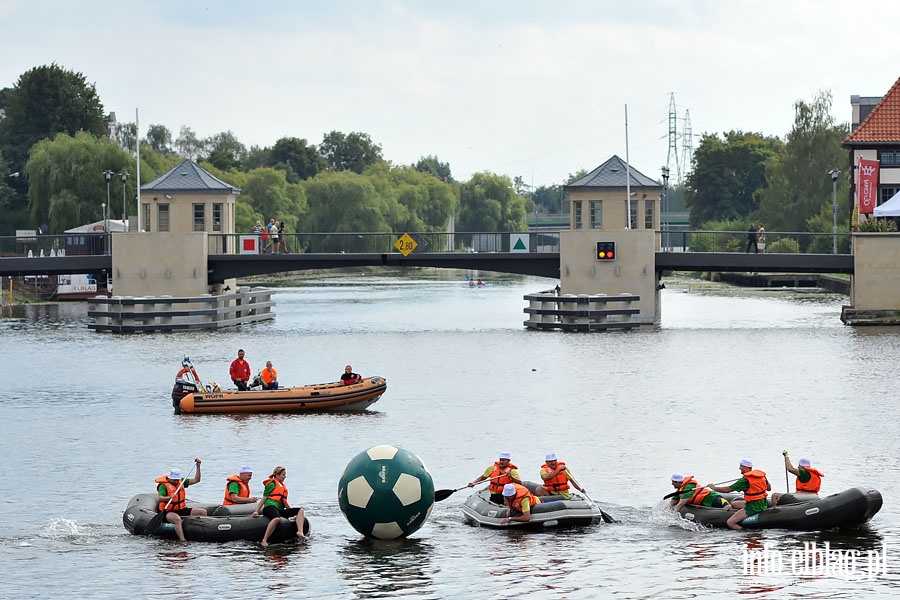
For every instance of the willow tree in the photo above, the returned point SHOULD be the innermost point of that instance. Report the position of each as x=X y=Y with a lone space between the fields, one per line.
x=488 y=203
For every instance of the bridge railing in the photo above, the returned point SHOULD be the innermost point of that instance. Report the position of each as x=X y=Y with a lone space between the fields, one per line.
x=90 y=244
x=383 y=243
x=781 y=242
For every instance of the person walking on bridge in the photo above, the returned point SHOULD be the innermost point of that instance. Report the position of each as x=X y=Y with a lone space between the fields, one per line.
x=751 y=239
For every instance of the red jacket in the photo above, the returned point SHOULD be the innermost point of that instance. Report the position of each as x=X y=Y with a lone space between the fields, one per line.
x=240 y=370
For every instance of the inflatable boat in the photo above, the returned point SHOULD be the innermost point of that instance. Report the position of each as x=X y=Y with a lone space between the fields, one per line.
x=191 y=396
x=800 y=512
x=223 y=523
x=549 y=514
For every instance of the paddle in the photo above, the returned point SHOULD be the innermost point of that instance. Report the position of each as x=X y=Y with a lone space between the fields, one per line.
x=444 y=494
x=156 y=521
x=679 y=492
x=787 y=483
x=604 y=515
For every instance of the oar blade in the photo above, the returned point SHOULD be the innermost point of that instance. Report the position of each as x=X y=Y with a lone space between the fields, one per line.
x=442 y=494
x=156 y=522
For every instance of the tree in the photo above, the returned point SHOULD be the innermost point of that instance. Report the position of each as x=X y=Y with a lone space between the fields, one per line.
x=225 y=151
x=45 y=101
x=354 y=151
x=412 y=200
x=799 y=183
x=6 y=193
x=67 y=186
x=343 y=202
x=727 y=175
x=431 y=165
x=300 y=159
x=188 y=145
x=488 y=203
x=271 y=196
x=159 y=138
x=126 y=134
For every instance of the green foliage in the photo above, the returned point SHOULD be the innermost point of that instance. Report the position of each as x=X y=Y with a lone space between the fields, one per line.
x=874 y=225
x=354 y=151
x=550 y=199
x=343 y=202
x=727 y=175
x=783 y=245
x=67 y=186
x=799 y=184
x=45 y=101
x=728 y=235
x=488 y=203
x=159 y=138
x=431 y=165
x=225 y=151
x=297 y=157
x=188 y=145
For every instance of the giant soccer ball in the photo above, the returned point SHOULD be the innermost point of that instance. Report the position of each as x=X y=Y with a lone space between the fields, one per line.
x=386 y=492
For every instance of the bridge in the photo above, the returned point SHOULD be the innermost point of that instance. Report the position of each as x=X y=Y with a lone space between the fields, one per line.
x=483 y=252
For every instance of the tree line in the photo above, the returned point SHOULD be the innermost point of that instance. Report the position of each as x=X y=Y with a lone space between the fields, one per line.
x=56 y=142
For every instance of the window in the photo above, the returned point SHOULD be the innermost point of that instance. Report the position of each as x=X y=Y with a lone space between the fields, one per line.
x=890 y=158
x=596 y=214
x=162 y=217
x=578 y=224
x=632 y=221
x=217 y=217
x=145 y=222
x=199 y=217
x=886 y=193
x=648 y=214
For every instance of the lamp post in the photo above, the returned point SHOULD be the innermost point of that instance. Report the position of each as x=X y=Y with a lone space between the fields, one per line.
x=124 y=176
x=834 y=177
x=665 y=207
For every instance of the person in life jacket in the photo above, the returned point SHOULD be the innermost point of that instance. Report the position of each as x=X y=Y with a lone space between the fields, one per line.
x=172 y=497
x=809 y=479
x=519 y=500
x=755 y=485
x=557 y=478
x=274 y=504
x=498 y=475
x=349 y=377
x=237 y=489
x=692 y=493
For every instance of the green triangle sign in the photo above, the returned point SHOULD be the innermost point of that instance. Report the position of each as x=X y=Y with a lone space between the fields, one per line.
x=520 y=245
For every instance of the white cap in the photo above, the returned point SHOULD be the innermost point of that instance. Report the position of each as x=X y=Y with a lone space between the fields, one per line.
x=245 y=469
x=509 y=490
x=174 y=473
x=746 y=463
x=504 y=455
x=677 y=477
x=804 y=462
x=550 y=457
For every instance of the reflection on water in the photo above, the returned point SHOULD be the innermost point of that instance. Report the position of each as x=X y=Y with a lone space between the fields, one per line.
x=388 y=568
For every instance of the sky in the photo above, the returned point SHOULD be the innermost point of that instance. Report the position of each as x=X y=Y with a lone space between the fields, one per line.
x=522 y=88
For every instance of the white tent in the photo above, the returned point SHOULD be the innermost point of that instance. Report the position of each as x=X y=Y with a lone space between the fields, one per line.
x=891 y=208
x=99 y=226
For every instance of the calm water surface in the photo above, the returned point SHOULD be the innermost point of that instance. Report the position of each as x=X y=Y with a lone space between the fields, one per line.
x=86 y=422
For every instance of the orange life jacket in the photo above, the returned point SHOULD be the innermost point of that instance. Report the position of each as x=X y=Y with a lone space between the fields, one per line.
x=243 y=493
x=496 y=485
x=178 y=502
x=269 y=375
x=700 y=492
x=757 y=489
x=815 y=481
x=560 y=482
x=280 y=493
x=521 y=494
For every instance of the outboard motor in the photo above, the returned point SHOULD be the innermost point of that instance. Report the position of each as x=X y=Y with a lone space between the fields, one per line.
x=182 y=388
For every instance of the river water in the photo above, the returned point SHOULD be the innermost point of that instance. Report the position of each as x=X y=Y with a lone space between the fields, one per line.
x=86 y=422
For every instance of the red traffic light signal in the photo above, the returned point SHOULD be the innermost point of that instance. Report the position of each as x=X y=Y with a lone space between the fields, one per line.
x=606 y=251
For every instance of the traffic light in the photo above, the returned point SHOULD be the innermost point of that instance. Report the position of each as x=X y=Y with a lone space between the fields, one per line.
x=606 y=251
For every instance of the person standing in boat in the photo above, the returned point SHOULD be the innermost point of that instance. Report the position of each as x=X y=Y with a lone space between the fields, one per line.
x=809 y=479
x=498 y=475
x=173 y=498
x=274 y=504
x=519 y=500
x=556 y=477
x=692 y=493
x=755 y=485
x=269 y=377
x=237 y=488
x=349 y=377
x=240 y=371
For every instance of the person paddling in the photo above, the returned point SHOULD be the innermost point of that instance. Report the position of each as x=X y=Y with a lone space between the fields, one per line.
x=172 y=498
x=755 y=485
x=692 y=493
x=556 y=477
x=809 y=479
x=498 y=475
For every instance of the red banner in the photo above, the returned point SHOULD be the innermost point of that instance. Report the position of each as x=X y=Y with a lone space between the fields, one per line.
x=867 y=186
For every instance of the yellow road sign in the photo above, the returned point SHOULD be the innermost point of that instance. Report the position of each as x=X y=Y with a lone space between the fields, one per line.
x=405 y=244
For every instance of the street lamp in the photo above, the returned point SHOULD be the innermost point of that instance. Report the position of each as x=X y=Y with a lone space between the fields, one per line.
x=124 y=176
x=665 y=206
x=834 y=177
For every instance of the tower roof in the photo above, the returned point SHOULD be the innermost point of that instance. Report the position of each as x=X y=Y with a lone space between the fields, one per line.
x=882 y=125
x=613 y=174
x=188 y=176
